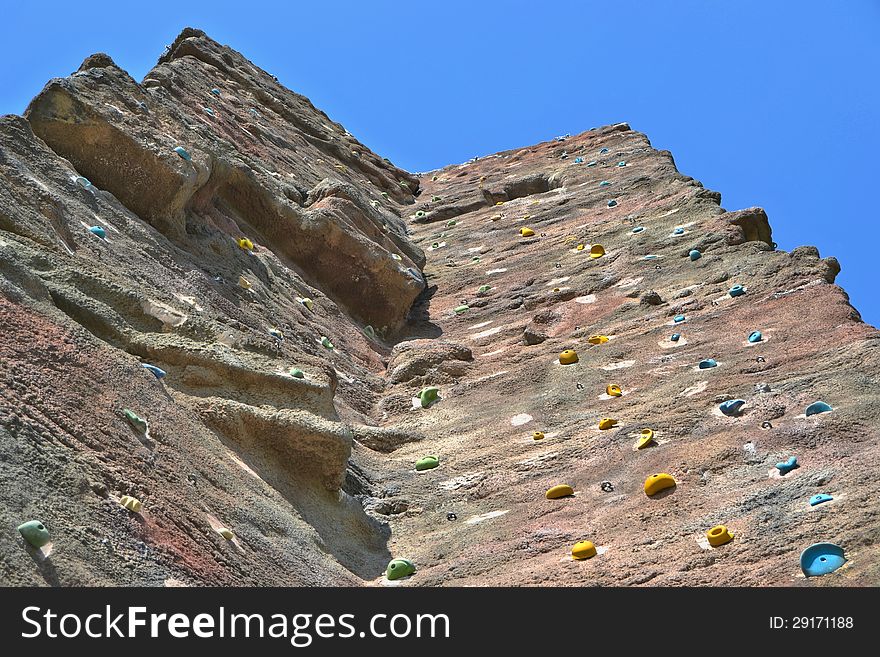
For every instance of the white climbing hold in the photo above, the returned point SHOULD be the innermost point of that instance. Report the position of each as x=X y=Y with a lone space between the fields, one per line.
x=521 y=419
x=589 y=298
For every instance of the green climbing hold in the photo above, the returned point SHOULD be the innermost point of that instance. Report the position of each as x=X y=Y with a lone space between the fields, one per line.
x=429 y=395
x=325 y=341
x=136 y=421
x=461 y=309
x=451 y=223
x=434 y=199
x=420 y=214
x=181 y=151
x=400 y=568
x=369 y=331
x=34 y=532
x=484 y=288
x=427 y=463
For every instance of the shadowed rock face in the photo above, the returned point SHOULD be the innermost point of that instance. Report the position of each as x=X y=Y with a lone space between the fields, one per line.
x=315 y=475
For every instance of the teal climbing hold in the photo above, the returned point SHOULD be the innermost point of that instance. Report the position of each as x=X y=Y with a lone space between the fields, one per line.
x=136 y=421
x=675 y=337
x=787 y=466
x=604 y=183
x=181 y=151
x=400 y=568
x=83 y=182
x=818 y=407
x=325 y=342
x=678 y=231
x=34 y=532
x=97 y=230
x=731 y=407
x=159 y=372
x=592 y=163
x=461 y=309
x=208 y=110
x=612 y=203
x=297 y=373
x=821 y=559
x=737 y=291
x=602 y=151
x=215 y=91
x=678 y=319
x=429 y=395
x=622 y=163
x=427 y=463
x=820 y=498
x=638 y=229
x=706 y=364
x=695 y=255
x=578 y=160
x=755 y=336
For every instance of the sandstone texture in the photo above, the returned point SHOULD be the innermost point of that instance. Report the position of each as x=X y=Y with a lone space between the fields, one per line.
x=299 y=291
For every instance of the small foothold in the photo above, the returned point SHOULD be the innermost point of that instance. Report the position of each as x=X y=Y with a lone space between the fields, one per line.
x=755 y=336
x=562 y=490
x=427 y=462
x=607 y=487
x=818 y=407
x=613 y=390
x=675 y=337
x=612 y=203
x=607 y=423
x=579 y=385
x=719 y=535
x=500 y=203
x=157 y=371
x=325 y=342
x=766 y=424
x=568 y=357
x=451 y=223
x=678 y=319
x=819 y=499
x=394 y=256
x=646 y=437
x=399 y=568
x=226 y=533
x=451 y=516
x=657 y=482
x=276 y=333
x=602 y=151
x=131 y=503
x=638 y=229
x=598 y=339
x=97 y=230
x=245 y=244
x=244 y=283
x=731 y=407
x=604 y=183
x=760 y=359
x=583 y=550
x=695 y=255
x=297 y=373
x=821 y=559
x=34 y=532
x=215 y=91
x=737 y=291
x=707 y=364
x=622 y=163
x=460 y=309
x=592 y=163
x=597 y=251
x=580 y=247
x=787 y=466
x=538 y=435
x=136 y=421
x=526 y=232
x=181 y=151
x=429 y=395
x=578 y=160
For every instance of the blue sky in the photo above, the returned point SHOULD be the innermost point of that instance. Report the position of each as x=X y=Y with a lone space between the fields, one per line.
x=774 y=104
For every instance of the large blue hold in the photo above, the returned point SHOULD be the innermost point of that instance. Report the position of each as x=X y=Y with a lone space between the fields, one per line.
x=821 y=559
x=675 y=337
x=787 y=466
x=818 y=407
x=158 y=371
x=678 y=231
x=731 y=407
x=737 y=291
x=695 y=255
x=706 y=364
x=678 y=319
x=820 y=498
x=97 y=230
x=755 y=336
x=180 y=150
x=578 y=160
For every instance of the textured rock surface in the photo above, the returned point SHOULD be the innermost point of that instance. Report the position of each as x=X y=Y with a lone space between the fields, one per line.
x=315 y=475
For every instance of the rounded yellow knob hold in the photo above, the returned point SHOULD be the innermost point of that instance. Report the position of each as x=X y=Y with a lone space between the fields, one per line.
x=597 y=339
x=613 y=390
x=719 y=535
x=568 y=357
x=607 y=423
x=246 y=244
x=580 y=247
x=538 y=435
x=597 y=251
x=583 y=550
x=657 y=482
x=562 y=490
x=226 y=533
x=645 y=439
x=526 y=232
x=131 y=503
x=500 y=203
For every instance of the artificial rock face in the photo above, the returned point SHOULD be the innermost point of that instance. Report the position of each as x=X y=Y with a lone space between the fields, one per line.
x=262 y=431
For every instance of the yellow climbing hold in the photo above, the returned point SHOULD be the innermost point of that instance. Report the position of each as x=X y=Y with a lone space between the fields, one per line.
x=613 y=390
x=583 y=550
x=580 y=247
x=246 y=244
x=538 y=435
x=562 y=490
x=131 y=503
x=308 y=303
x=526 y=232
x=500 y=203
x=719 y=535
x=568 y=357
x=657 y=482
x=226 y=533
x=646 y=437
x=597 y=339
x=243 y=282
x=607 y=423
x=597 y=251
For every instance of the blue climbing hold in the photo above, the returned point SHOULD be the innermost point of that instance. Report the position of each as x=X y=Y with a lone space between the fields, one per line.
x=158 y=371
x=215 y=91
x=737 y=291
x=731 y=407
x=650 y=257
x=83 y=182
x=787 y=466
x=821 y=559
x=603 y=150
x=622 y=163
x=180 y=150
x=678 y=319
x=208 y=110
x=604 y=183
x=612 y=203
x=819 y=499
x=97 y=230
x=678 y=231
x=592 y=163
x=578 y=160
x=695 y=255
x=818 y=407
x=638 y=229
x=708 y=363
x=675 y=337
x=755 y=336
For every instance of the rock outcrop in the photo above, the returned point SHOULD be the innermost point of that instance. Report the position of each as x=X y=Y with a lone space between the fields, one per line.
x=298 y=291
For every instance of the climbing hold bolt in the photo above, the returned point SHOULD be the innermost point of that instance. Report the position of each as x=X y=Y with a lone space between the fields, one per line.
x=181 y=151
x=607 y=487
x=657 y=482
x=136 y=421
x=399 y=568
x=131 y=503
x=707 y=364
x=612 y=203
x=245 y=243
x=818 y=407
x=646 y=437
x=34 y=532
x=597 y=251
x=429 y=395
x=675 y=337
x=787 y=466
x=157 y=371
x=613 y=390
x=695 y=255
x=821 y=559
x=755 y=336
x=597 y=339
x=427 y=462
x=568 y=357
x=731 y=407
x=819 y=499
x=583 y=550
x=719 y=535
x=538 y=435
x=607 y=423
x=226 y=533
x=526 y=232
x=325 y=342
x=460 y=309
x=297 y=373
x=737 y=291
x=99 y=231
x=562 y=490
